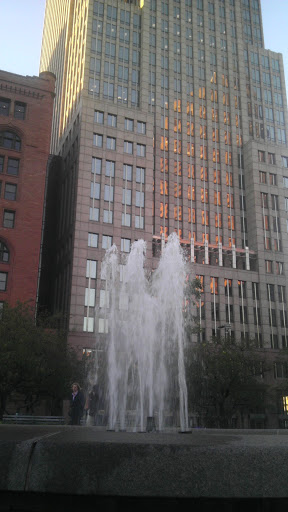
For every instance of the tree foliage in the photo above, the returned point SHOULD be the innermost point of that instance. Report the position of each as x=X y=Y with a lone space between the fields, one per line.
x=223 y=379
x=35 y=362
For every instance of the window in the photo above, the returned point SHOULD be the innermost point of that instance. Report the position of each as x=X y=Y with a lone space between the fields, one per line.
x=140 y=175
x=262 y=177
x=106 y=241
x=108 y=90
x=125 y=244
x=19 y=110
x=126 y=219
x=13 y=166
x=94 y=86
x=139 y=199
x=4 y=253
x=96 y=165
x=4 y=106
x=89 y=297
x=139 y=222
x=268 y=267
x=10 y=140
x=10 y=191
x=110 y=168
x=108 y=193
x=1 y=163
x=261 y=156
x=3 y=281
x=95 y=190
x=272 y=158
x=126 y=197
x=112 y=120
x=128 y=147
x=9 y=219
x=108 y=216
x=98 y=117
x=94 y=214
x=127 y=172
x=141 y=127
x=111 y=143
x=129 y=124
x=92 y=240
x=98 y=140
x=141 y=150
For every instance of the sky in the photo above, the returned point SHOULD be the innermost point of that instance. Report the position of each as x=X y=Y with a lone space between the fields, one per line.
x=21 y=33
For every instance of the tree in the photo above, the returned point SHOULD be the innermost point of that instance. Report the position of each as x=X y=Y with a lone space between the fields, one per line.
x=35 y=362
x=222 y=381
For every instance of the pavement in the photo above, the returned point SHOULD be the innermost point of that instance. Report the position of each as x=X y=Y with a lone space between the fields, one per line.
x=91 y=462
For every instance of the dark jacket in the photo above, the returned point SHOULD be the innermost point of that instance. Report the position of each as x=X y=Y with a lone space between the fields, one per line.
x=76 y=408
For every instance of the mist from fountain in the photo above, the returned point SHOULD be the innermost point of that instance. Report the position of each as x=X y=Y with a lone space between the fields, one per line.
x=146 y=373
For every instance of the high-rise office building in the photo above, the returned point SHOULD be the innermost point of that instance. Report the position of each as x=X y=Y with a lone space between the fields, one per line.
x=171 y=115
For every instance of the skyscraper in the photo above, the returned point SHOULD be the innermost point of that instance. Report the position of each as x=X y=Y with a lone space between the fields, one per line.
x=171 y=116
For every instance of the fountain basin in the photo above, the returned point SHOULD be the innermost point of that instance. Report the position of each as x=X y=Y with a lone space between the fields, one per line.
x=90 y=462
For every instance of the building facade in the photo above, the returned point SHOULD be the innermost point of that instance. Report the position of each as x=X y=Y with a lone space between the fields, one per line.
x=172 y=117
x=26 y=107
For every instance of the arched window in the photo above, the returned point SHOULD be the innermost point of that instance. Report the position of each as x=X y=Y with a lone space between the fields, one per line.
x=10 y=140
x=4 y=253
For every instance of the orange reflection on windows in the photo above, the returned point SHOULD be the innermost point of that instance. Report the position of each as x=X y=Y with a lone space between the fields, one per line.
x=227 y=138
x=193 y=218
x=226 y=98
x=239 y=140
x=230 y=200
x=231 y=241
x=228 y=157
x=190 y=149
x=177 y=146
x=162 y=188
x=205 y=237
x=226 y=116
x=225 y=82
x=215 y=135
x=218 y=220
x=193 y=192
x=216 y=152
x=204 y=193
x=162 y=164
x=178 y=213
x=217 y=198
x=177 y=168
x=191 y=171
x=203 y=132
x=190 y=129
x=177 y=105
x=204 y=174
x=214 y=115
x=177 y=125
x=178 y=190
x=202 y=112
x=164 y=143
x=205 y=218
x=217 y=177
x=203 y=152
x=202 y=93
x=214 y=285
x=162 y=210
x=231 y=222
x=214 y=96
x=229 y=179
x=190 y=108
x=218 y=239
x=162 y=231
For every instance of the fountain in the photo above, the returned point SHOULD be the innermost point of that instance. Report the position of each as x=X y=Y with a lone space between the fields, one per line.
x=146 y=374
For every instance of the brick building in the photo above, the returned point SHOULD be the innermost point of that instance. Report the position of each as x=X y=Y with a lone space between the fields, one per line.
x=26 y=106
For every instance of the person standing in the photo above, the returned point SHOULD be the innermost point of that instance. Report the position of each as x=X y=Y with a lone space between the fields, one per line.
x=76 y=404
x=93 y=404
